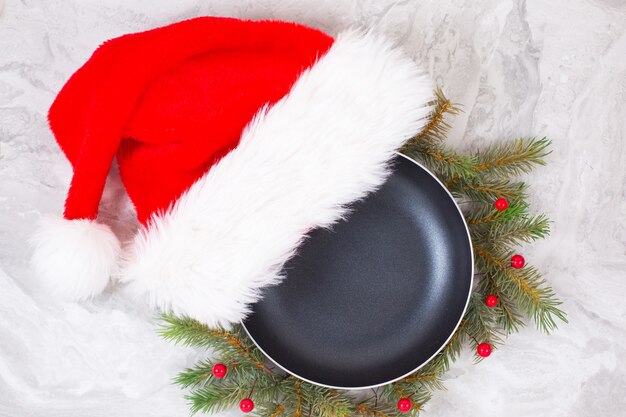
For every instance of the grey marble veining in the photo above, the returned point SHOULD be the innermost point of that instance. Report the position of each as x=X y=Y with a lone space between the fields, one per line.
x=542 y=68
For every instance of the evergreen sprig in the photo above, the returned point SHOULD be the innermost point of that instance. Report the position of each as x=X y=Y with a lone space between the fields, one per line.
x=524 y=286
x=437 y=128
x=511 y=232
x=446 y=162
x=233 y=346
x=513 y=158
x=476 y=180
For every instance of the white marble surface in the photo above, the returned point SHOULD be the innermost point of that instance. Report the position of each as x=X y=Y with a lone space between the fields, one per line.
x=555 y=68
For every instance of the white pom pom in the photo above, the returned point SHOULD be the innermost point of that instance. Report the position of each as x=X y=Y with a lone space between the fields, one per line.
x=74 y=259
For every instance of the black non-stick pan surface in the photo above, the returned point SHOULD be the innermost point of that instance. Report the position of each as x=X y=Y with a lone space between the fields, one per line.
x=376 y=297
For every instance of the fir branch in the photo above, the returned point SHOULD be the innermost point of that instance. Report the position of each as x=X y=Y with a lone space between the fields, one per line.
x=511 y=231
x=486 y=192
x=512 y=158
x=385 y=408
x=298 y=398
x=483 y=214
x=449 y=182
x=189 y=332
x=365 y=409
x=444 y=162
x=525 y=286
x=269 y=409
x=428 y=377
x=202 y=371
x=417 y=393
x=436 y=130
x=195 y=376
x=303 y=399
x=481 y=326
x=278 y=410
x=325 y=402
x=508 y=317
x=518 y=231
x=227 y=393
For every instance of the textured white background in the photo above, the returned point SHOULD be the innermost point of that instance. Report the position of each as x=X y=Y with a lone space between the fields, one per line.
x=555 y=68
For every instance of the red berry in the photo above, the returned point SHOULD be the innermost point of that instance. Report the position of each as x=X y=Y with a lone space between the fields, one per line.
x=517 y=261
x=483 y=350
x=491 y=300
x=246 y=405
x=404 y=405
x=219 y=370
x=501 y=204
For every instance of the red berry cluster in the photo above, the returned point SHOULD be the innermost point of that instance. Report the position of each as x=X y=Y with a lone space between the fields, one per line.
x=517 y=261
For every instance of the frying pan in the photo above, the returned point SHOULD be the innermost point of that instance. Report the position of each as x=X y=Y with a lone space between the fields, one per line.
x=377 y=296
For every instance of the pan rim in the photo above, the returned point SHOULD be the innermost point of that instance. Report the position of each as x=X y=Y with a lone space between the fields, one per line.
x=469 y=294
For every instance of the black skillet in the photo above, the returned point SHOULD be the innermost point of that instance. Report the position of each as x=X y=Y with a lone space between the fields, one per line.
x=376 y=297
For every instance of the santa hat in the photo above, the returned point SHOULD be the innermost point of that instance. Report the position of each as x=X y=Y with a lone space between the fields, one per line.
x=234 y=138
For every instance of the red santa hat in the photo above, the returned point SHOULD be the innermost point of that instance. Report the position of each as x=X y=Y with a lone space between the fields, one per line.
x=234 y=138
